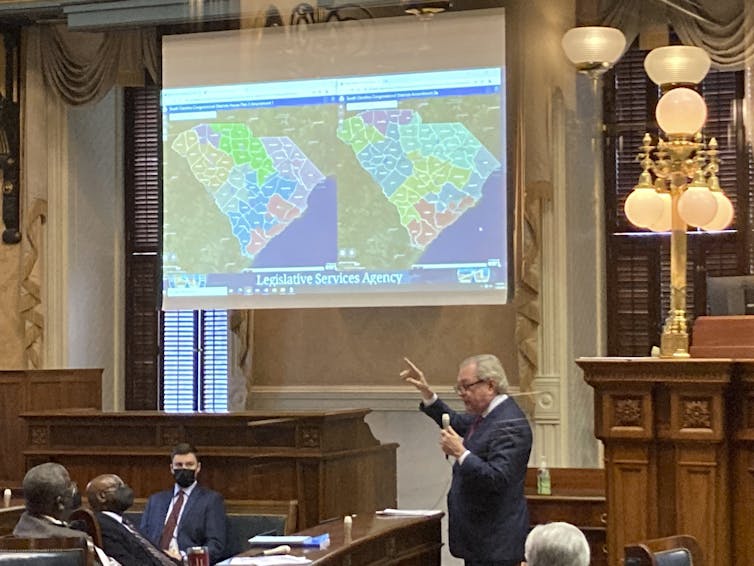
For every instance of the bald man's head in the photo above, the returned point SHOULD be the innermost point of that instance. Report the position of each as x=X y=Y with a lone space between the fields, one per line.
x=109 y=493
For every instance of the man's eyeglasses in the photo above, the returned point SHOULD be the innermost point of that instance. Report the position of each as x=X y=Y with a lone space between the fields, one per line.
x=464 y=387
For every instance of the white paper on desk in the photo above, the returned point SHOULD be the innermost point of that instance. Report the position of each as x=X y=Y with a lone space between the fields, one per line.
x=409 y=512
x=264 y=560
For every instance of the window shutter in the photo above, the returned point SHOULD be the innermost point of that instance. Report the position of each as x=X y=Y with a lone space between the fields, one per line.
x=195 y=360
x=143 y=233
x=215 y=360
x=180 y=367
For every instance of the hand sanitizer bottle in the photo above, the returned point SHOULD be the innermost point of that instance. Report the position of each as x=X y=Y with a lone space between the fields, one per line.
x=543 y=479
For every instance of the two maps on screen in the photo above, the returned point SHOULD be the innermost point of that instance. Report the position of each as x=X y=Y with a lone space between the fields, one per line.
x=371 y=189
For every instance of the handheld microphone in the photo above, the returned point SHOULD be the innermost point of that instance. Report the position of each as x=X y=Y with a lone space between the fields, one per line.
x=282 y=549
x=445 y=425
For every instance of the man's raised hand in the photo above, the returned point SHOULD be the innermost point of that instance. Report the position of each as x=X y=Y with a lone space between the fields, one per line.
x=415 y=377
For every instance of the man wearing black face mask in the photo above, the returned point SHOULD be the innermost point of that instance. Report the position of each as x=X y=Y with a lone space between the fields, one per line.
x=109 y=497
x=188 y=515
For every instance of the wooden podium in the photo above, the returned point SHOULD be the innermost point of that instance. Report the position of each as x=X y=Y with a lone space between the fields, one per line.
x=679 y=451
x=328 y=461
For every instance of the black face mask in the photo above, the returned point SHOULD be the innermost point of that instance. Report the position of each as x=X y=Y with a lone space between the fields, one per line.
x=122 y=499
x=184 y=477
x=69 y=501
x=76 y=499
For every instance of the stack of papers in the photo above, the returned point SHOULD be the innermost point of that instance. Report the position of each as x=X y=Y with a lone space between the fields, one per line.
x=264 y=560
x=409 y=512
x=320 y=541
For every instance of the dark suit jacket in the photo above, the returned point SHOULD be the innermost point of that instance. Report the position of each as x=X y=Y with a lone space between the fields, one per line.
x=203 y=522
x=32 y=526
x=119 y=543
x=488 y=518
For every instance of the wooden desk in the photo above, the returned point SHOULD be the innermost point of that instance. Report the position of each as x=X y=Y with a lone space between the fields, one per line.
x=383 y=541
x=328 y=461
x=578 y=497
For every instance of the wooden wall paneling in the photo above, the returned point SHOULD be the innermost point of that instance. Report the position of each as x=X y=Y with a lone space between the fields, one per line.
x=701 y=498
x=11 y=397
x=30 y=390
x=631 y=487
x=742 y=456
x=328 y=461
x=578 y=497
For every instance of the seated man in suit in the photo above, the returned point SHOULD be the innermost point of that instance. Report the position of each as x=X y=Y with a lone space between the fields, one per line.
x=50 y=496
x=556 y=544
x=188 y=514
x=109 y=497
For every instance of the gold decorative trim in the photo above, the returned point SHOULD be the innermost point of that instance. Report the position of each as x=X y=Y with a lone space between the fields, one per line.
x=31 y=290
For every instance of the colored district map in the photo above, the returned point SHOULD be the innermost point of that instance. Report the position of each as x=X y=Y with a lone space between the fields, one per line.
x=261 y=184
x=431 y=173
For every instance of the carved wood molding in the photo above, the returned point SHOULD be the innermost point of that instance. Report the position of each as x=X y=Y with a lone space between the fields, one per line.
x=627 y=411
x=309 y=437
x=39 y=436
x=696 y=413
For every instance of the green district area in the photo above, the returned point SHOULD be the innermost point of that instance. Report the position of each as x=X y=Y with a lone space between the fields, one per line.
x=260 y=184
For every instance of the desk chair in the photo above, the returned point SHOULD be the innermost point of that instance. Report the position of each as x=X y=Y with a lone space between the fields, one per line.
x=678 y=550
x=15 y=551
x=83 y=519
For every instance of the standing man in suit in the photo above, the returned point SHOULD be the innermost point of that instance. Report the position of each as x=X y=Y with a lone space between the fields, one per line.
x=187 y=515
x=109 y=497
x=487 y=514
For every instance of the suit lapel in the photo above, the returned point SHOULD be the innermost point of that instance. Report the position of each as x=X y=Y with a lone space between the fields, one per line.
x=164 y=506
x=188 y=506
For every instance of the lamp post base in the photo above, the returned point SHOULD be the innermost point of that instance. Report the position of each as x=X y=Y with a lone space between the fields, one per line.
x=674 y=345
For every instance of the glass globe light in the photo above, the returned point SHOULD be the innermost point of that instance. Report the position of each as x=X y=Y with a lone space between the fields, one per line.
x=677 y=64
x=681 y=112
x=665 y=222
x=593 y=49
x=643 y=206
x=724 y=215
x=697 y=205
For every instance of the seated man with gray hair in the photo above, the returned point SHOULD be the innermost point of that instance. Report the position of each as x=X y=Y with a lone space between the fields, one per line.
x=50 y=496
x=556 y=544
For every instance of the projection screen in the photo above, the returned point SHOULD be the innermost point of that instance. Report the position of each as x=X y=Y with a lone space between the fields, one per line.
x=353 y=164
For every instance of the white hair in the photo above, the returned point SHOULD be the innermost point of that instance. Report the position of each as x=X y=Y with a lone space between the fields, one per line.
x=556 y=544
x=488 y=368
